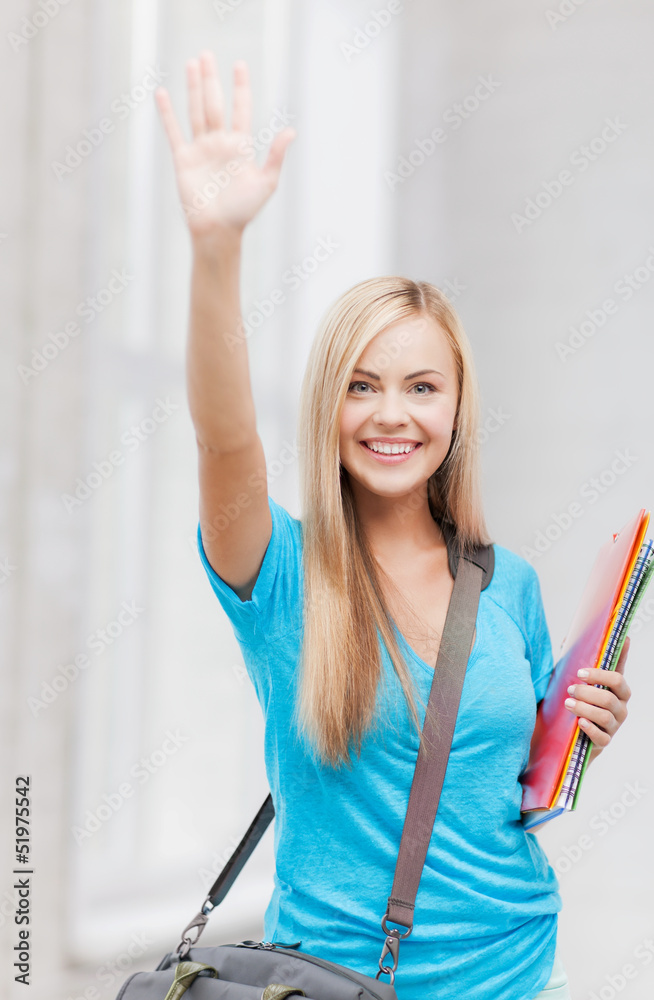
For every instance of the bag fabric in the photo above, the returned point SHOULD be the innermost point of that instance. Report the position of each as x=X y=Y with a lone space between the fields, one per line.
x=247 y=969
x=275 y=966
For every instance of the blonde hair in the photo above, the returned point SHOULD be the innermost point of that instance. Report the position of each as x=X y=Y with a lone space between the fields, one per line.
x=344 y=609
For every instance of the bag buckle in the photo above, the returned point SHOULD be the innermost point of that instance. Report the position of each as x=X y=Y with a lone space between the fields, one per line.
x=198 y=923
x=392 y=948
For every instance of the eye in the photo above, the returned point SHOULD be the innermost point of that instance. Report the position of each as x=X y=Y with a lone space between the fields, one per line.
x=423 y=385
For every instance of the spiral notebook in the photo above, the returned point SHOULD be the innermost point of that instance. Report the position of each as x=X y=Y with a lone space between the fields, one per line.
x=560 y=750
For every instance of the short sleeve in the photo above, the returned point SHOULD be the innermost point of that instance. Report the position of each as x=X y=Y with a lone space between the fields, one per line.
x=274 y=607
x=537 y=635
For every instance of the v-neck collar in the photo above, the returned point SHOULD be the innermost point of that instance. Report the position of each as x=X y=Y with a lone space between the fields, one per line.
x=423 y=663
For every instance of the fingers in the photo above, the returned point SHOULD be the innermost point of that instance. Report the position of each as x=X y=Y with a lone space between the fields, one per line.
x=591 y=695
x=242 y=114
x=604 y=700
x=597 y=736
x=603 y=718
x=170 y=123
x=195 y=99
x=615 y=681
x=214 y=104
x=276 y=153
x=601 y=710
x=206 y=103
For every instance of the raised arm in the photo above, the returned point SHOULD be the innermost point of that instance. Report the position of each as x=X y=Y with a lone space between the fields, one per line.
x=221 y=190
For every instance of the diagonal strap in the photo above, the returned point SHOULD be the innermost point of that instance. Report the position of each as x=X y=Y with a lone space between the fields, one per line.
x=438 y=730
x=228 y=875
x=250 y=839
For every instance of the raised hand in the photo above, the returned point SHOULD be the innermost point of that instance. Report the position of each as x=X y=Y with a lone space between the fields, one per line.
x=219 y=183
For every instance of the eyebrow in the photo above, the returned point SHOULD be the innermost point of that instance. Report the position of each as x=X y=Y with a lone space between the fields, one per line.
x=423 y=371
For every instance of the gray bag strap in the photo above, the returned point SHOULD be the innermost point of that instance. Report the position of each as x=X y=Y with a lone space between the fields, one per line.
x=471 y=575
x=437 y=733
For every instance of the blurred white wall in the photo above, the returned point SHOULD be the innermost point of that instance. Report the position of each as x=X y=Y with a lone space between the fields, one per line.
x=365 y=102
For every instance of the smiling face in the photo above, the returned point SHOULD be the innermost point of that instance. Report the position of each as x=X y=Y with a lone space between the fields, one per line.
x=402 y=399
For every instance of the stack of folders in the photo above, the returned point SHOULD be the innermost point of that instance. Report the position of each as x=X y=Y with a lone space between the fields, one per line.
x=560 y=751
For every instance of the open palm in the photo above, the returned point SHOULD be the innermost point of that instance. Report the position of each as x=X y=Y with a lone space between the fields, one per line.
x=219 y=182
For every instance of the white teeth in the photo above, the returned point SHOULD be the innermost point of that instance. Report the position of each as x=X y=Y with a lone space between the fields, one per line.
x=391 y=449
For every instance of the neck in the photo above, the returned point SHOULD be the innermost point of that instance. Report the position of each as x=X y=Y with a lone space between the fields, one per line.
x=397 y=526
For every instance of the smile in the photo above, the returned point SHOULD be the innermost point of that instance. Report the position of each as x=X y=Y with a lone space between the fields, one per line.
x=390 y=453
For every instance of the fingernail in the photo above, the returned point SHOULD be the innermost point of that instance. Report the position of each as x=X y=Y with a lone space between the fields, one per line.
x=571 y=689
x=569 y=703
x=583 y=673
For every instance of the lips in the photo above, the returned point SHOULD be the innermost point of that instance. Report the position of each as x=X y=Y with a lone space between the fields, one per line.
x=391 y=442
x=390 y=459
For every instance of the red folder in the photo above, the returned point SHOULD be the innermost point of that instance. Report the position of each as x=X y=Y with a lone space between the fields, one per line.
x=556 y=728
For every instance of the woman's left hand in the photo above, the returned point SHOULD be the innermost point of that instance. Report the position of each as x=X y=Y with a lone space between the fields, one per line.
x=601 y=712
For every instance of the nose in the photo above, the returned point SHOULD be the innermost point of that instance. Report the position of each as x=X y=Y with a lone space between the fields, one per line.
x=390 y=410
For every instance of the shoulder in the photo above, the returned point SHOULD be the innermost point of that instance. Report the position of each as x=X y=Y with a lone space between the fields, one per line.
x=512 y=571
x=287 y=537
x=515 y=585
x=516 y=589
x=273 y=607
x=282 y=518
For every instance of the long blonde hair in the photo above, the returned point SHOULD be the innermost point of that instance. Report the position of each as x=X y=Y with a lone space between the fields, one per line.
x=344 y=607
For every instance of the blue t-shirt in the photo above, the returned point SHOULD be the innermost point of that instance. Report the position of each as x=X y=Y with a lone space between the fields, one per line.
x=486 y=911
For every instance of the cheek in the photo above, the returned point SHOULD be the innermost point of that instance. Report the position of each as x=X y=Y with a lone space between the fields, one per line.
x=348 y=424
x=440 y=420
x=437 y=425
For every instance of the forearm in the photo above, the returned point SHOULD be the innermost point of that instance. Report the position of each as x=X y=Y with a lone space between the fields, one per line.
x=217 y=367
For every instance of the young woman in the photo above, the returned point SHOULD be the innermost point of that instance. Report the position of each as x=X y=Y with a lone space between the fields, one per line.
x=339 y=615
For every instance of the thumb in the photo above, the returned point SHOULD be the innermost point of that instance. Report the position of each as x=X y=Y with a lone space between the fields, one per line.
x=623 y=656
x=276 y=153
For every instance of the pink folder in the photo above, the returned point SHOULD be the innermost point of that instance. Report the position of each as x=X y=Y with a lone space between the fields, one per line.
x=556 y=727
